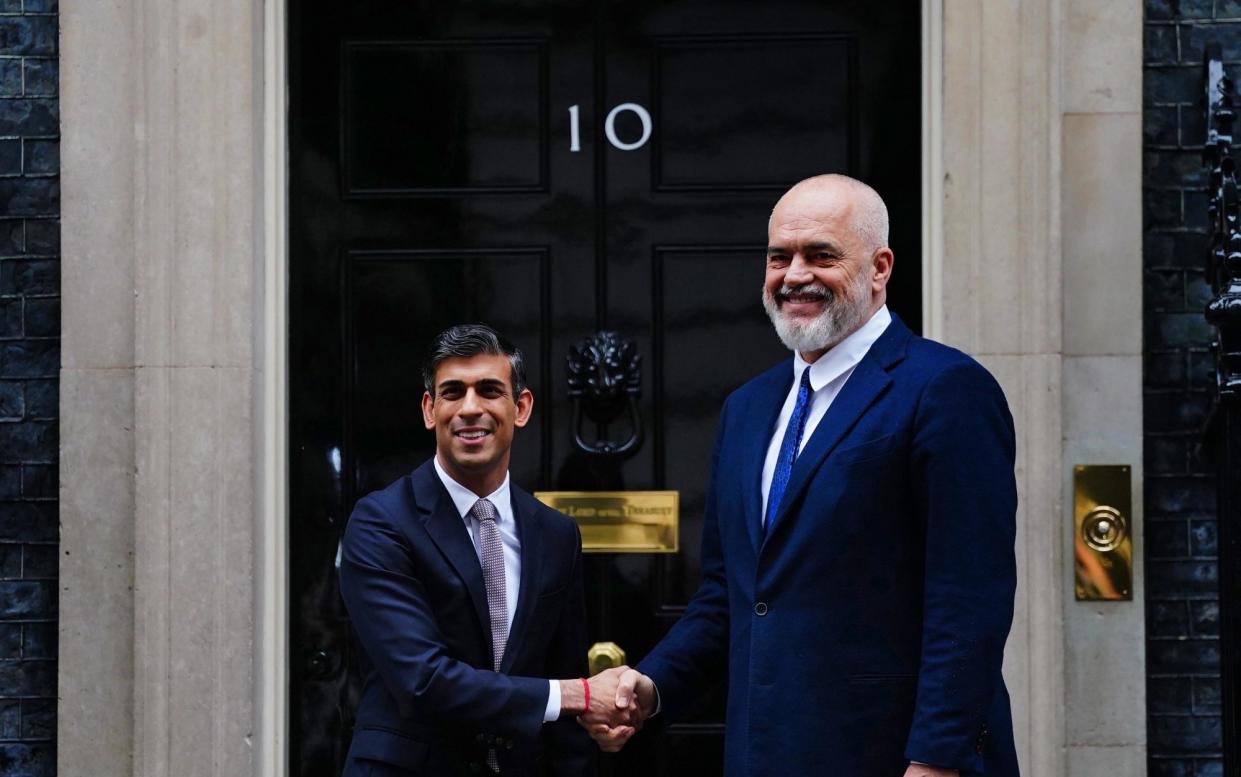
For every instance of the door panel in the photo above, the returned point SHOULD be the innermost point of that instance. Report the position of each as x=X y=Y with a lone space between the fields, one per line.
x=433 y=181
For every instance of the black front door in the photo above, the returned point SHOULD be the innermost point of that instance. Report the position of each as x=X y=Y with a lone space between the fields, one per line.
x=555 y=169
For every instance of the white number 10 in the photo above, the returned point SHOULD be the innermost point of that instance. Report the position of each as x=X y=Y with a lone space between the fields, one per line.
x=609 y=127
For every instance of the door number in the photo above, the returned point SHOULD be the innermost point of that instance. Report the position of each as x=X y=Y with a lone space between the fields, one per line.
x=609 y=127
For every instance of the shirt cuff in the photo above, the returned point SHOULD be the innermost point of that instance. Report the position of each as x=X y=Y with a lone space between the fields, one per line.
x=553 y=701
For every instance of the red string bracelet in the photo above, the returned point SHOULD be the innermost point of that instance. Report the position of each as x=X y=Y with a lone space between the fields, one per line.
x=586 y=691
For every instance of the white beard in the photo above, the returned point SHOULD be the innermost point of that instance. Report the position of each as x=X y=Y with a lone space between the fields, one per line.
x=840 y=317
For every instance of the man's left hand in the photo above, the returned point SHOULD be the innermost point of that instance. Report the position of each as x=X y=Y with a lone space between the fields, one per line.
x=922 y=770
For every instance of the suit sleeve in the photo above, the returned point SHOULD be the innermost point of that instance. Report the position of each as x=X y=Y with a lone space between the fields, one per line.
x=962 y=468
x=692 y=656
x=388 y=607
x=570 y=751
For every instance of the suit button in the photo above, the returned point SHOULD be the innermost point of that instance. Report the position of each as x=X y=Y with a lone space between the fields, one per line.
x=760 y=609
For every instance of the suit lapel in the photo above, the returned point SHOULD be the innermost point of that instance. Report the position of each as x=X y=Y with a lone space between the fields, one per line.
x=755 y=437
x=448 y=532
x=868 y=381
x=529 y=531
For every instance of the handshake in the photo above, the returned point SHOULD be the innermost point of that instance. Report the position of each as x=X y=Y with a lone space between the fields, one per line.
x=619 y=702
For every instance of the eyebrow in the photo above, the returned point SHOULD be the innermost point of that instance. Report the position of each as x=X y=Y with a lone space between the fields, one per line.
x=820 y=245
x=483 y=383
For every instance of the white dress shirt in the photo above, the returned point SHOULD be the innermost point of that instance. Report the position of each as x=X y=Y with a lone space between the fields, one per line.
x=463 y=499
x=828 y=376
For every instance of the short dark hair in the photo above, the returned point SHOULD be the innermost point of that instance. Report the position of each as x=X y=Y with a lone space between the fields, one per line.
x=472 y=340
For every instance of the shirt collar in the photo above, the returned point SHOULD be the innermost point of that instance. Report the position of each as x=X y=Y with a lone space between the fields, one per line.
x=846 y=354
x=464 y=499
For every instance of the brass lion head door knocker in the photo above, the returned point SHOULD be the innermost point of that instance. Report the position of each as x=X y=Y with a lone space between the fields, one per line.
x=605 y=383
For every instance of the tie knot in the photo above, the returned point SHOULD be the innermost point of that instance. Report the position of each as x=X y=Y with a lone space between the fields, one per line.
x=484 y=510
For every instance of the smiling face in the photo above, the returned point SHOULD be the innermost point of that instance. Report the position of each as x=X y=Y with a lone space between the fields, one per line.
x=474 y=413
x=825 y=276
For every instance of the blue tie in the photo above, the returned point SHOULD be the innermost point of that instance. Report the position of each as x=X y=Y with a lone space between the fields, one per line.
x=788 y=449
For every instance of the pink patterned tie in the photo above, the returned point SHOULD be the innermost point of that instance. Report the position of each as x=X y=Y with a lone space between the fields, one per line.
x=493 y=577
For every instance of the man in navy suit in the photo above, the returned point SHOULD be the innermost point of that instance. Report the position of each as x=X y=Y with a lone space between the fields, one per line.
x=464 y=591
x=857 y=551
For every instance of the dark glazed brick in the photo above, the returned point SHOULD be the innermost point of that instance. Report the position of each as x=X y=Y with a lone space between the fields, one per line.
x=10 y=719
x=1191 y=250
x=1201 y=371
x=29 y=196
x=1166 y=539
x=39 y=640
x=26 y=116
x=1170 y=767
x=29 y=276
x=11 y=404
x=1191 y=578
x=41 y=6
x=30 y=358
x=1203 y=538
x=1194 y=37
x=42 y=317
x=1165 y=370
x=1169 y=694
x=40 y=562
x=10 y=317
x=28 y=678
x=28 y=441
x=1195 y=656
x=10 y=640
x=10 y=157
x=1159 y=47
x=1167 y=619
x=1177 y=734
x=1184 y=330
x=27 y=760
x=1178 y=84
x=1195 y=204
x=1159 y=250
x=1210 y=767
x=23 y=600
x=38 y=718
x=1161 y=208
x=1193 y=126
x=11 y=241
x=42 y=77
x=1204 y=618
x=1160 y=10
x=43 y=237
x=1159 y=126
x=41 y=157
x=1165 y=290
x=42 y=399
x=1206 y=696
x=32 y=521
x=1175 y=412
x=10 y=483
x=1228 y=9
x=10 y=77
x=39 y=481
x=28 y=35
x=10 y=560
x=1197 y=291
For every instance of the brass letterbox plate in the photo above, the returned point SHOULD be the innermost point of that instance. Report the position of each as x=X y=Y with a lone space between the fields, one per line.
x=621 y=521
x=1103 y=532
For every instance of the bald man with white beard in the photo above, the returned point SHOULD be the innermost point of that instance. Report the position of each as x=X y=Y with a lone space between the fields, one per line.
x=857 y=552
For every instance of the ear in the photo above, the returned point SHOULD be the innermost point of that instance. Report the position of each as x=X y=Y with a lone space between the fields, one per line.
x=525 y=406
x=881 y=269
x=428 y=417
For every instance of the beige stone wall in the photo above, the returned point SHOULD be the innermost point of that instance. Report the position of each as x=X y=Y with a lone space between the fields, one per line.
x=172 y=605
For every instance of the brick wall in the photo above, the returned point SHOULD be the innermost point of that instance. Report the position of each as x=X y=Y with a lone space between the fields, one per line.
x=1182 y=608
x=29 y=360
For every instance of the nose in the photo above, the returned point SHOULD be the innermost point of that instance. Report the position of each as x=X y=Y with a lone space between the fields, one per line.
x=470 y=404
x=798 y=271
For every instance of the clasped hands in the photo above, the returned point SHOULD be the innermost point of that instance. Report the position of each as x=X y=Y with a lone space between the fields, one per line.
x=621 y=699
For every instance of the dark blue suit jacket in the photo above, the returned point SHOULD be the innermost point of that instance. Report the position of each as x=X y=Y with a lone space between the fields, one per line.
x=865 y=628
x=413 y=585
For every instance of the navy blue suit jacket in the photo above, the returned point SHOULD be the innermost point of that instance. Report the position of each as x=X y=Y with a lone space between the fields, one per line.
x=413 y=586
x=865 y=627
